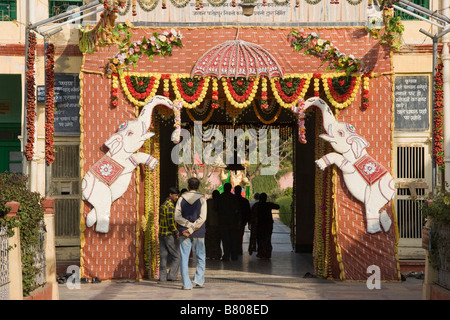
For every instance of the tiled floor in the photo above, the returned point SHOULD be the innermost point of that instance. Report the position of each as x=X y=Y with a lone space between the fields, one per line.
x=249 y=278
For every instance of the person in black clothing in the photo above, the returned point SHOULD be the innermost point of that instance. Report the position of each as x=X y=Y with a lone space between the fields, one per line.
x=243 y=216
x=228 y=222
x=262 y=227
x=212 y=239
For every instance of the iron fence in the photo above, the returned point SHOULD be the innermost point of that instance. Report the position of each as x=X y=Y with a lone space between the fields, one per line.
x=4 y=264
x=39 y=256
x=443 y=273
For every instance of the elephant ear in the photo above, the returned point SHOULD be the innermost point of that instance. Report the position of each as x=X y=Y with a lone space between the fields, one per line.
x=114 y=143
x=358 y=144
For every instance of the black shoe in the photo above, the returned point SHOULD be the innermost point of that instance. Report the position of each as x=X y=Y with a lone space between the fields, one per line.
x=173 y=279
x=95 y=280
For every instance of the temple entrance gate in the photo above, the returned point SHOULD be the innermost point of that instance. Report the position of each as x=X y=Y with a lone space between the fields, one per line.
x=341 y=245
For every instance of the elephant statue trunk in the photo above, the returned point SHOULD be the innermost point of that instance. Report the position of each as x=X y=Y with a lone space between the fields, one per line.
x=108 y=179
x=366 y=179
x=327 y=114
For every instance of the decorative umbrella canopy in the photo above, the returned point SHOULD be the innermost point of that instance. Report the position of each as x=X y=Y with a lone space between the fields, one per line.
x=237 y=58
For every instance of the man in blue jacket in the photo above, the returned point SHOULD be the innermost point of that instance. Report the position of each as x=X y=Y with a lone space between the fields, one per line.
x=190 y=214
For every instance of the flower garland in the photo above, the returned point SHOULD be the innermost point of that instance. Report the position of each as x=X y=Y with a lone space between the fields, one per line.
x=300 y=111
x=191 y=91
x=130 y=52
x=338 y=96
x=166 y=84
x=190 y=88
x=258 y=115
x=339 y=88
x=50 y=104
x=151 y=203
x=203 y=111
x=290 y=90
x=366 y=78
x=324 y=50
x=31 y=96
x=215 y=94
x=438 y=151
x=240 y=92
x=178 y=105
x=264 y=104
x=115 y=90
x=317 y=77
x=140 y=88
x=156 y=192
x=320 y=181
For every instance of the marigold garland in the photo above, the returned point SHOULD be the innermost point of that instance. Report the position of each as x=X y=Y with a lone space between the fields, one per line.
x=289 y=90
x=31 y=96
x=50 y=104
x=190 y=88
x=115 y=90
x=365 y=97
x=166 y=84
x=340 y=101
x=264 y=104
x=240 y=92
x=438 y=151
x=215 y=94
x=181 y=95
x=156 y=196
x=140 y=96
x=151 y=214
x=317 y=77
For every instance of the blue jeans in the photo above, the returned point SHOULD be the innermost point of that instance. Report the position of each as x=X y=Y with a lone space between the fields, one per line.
x=186 y=243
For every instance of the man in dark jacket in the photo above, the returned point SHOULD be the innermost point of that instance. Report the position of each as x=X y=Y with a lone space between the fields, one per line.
x=243 y=216
x=212 y=239
x=190 y=214
x=228 y=223
x=169 y=245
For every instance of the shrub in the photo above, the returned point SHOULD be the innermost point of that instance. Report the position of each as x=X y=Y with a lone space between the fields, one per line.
x=13 y=187
x=285 y=203
x=437 y=207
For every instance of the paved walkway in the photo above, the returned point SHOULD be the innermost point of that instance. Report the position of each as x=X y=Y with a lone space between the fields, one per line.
x=249 y=278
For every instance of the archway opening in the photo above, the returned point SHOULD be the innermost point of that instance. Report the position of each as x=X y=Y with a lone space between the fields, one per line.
x=291 y=184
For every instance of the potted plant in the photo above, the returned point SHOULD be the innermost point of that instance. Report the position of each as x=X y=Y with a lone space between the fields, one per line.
x=436 y=211
x=248 y=6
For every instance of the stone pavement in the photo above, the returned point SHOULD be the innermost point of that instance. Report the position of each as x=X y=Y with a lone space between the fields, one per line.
x=249 y=278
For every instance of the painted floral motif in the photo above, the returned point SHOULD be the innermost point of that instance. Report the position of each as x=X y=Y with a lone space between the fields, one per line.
x=105 y=170
x=370 y=168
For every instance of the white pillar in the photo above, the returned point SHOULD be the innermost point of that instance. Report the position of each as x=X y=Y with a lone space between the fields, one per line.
x=50 y=249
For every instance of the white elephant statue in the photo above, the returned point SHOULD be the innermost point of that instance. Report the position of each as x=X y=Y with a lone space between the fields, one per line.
x=108 y=179
x=366 y=179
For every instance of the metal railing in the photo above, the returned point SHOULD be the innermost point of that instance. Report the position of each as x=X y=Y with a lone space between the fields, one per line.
x=443 y=273
x=4 y=264
x=39 y=257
